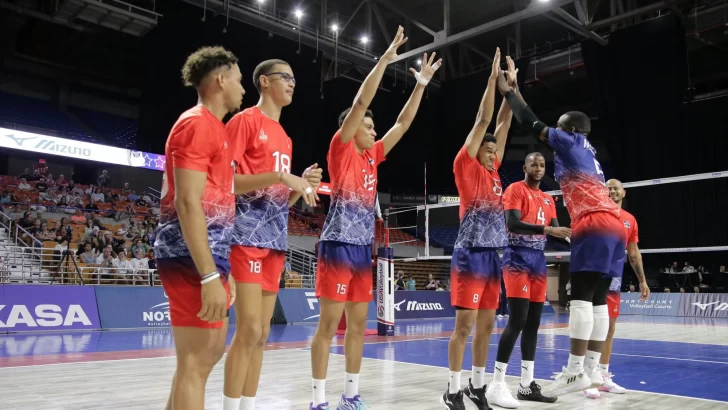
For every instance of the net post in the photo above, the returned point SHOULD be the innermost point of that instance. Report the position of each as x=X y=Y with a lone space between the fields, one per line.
x=385 y=284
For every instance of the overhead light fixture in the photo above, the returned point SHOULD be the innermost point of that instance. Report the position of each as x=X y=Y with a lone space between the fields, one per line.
x=335 y=27
x=543 y=1
x=261 y=1
x=298 y=13
x=364 y=39
x=419 y=62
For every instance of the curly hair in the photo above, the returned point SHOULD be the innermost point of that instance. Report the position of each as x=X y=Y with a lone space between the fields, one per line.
x=203 y=61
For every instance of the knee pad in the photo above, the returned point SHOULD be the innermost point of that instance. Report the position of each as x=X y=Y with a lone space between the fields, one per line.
x=601 y=323
x=581 y=320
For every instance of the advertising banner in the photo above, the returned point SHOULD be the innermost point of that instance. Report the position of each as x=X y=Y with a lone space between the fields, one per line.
x=703 y=304
x=301 y=305
x=422 y=304
x=130 y=307
x=659 y=304
x=40 y=307
x=547 y=308
x=385 y=292
x=44 y=144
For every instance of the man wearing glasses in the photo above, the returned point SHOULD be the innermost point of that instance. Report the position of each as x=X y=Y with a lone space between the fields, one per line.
x=262 y=154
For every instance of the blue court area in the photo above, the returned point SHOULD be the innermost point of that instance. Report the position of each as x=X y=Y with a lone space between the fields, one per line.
x=664 y=355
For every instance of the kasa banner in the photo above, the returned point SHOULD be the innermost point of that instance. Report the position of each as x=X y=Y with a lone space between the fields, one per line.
x=704 y=305
x=36 y=308
x=131 y=307
x=659 y=304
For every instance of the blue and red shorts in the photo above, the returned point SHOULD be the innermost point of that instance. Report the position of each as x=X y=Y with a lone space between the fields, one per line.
x=257 y=265
x=524 y=273
x=475 y=276
x=344 y=272
x=613 y=300
x=181 y=283
x=598 y=245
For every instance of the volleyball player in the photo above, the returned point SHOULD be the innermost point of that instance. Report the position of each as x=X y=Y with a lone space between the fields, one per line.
x=599 y=371
x=530 y=217
x=344 y=272
x=262 y=150
x=197 y=214
x=475 y=271
x=597 y=243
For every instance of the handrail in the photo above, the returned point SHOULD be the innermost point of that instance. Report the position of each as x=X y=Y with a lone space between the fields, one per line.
x=17 y=236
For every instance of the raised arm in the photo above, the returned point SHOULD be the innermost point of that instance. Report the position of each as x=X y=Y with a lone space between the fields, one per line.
x=368 y=89
x=505 y=115
x=521 y=111
x=485 y=111
x=392 y=137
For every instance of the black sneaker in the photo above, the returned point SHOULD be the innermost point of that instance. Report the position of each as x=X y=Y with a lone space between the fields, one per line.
x=533 y=393
x=452 y=401
x=477 y=396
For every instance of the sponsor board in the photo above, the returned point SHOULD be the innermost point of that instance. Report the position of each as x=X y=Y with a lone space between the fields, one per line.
x=26 y=308
x=704 y=305
x=302 y=305
x=422 y=304
x=659 y=304
x=385 y=292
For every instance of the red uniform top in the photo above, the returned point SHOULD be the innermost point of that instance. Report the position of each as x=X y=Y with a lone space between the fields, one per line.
x=482 y=223
x=630 y=227
x=354 y=192
x=259 y=144
x=197 y=142
x=536 y=207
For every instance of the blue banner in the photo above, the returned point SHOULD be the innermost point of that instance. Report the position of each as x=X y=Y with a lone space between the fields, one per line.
x=422 y=304
x=301 y=305
x=704 y=305
x=127 y=307
x=659 y=304
x=26 y=308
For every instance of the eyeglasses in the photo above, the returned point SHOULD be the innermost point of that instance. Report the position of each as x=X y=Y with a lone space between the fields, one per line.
x=285 y=77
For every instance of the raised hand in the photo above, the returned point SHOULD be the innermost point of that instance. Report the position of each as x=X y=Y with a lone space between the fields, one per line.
x=511 y=74
x=313 y=175
x=495 y=71
x=399 y=39
x=427 y=70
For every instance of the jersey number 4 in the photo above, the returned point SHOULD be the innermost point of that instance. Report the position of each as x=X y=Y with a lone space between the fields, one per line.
x=541 y=217
x=283 y=162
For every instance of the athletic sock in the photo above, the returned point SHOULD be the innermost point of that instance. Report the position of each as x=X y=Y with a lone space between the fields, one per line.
x=499 y=372
x=454 y=382
x=351 y=386
x=576 y=364
x=247 y=403
x=478 y=377
x=526 y=372
x=604 y=368
x=319 y=391
x=230 y=403
x=592 y=359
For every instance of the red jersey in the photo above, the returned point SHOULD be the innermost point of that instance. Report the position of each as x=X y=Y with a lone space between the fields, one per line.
x=197 y=142
x=482 y=223
x=354 y=191
x=536 y=207
x=259 y=144
x=630 y=227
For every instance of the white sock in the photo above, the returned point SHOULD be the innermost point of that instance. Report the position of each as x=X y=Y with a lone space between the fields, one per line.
x=499 y=372
x=230 y=404
x=576 y=364
x=454 y=382
x=319 y=391
x=526 y=373
x=604 y=368
x=247 y=403
x=351 y=386
x=592 y=359
x=478 y=377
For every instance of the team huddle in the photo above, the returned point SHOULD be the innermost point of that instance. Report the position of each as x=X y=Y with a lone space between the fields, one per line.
x=223 y=235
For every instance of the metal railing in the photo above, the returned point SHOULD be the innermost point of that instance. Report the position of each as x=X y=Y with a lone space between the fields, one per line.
x=303 y=262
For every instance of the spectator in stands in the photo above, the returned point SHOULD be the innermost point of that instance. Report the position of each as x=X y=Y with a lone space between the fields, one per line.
x=24 y=185
x=675 y=268
x=39 y=216
x=6 y=198
x=96 y=221
x=125 y=269
x=97 y=196
x=150 y=257
x=90 y=190
x=688 y=268
x=89 y=254
x=631 y=288
x=76 y=190
x=90 y=229
x=79 y=203
x=109 y=240
x=133 y=197
x=41 y=186
x=139 y=245
x=399 y=283
x=26 y=174
x=36 y=175
x=432 y=284
x=146 y=197
x=150 y=234
x=682 y=290
x=104 y=179
x=92 y=206
x=61 y=227
x=108 y=262
x=696 y=289
x=411 y=284
x=78 y=218
x=141 y=202
x=45 y=234
x=26 y=221
x=140 y=264
x=62 y=181
x=125 y=191
x=122 y=231
x=147 y=243
x=49 y=180
x=721 y=269
x=666 y=290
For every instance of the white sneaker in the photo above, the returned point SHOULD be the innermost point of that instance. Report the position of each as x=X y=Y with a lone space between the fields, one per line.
x=500 y=316
x=567 y=382
x=499 y=394
x=595 y=375
x=611 y=387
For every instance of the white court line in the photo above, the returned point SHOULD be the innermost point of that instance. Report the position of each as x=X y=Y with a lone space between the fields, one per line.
x=545 y=380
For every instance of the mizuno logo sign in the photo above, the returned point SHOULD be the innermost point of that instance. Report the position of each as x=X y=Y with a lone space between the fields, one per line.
x=19 y=140
x=719 y=307
x=52 y=146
